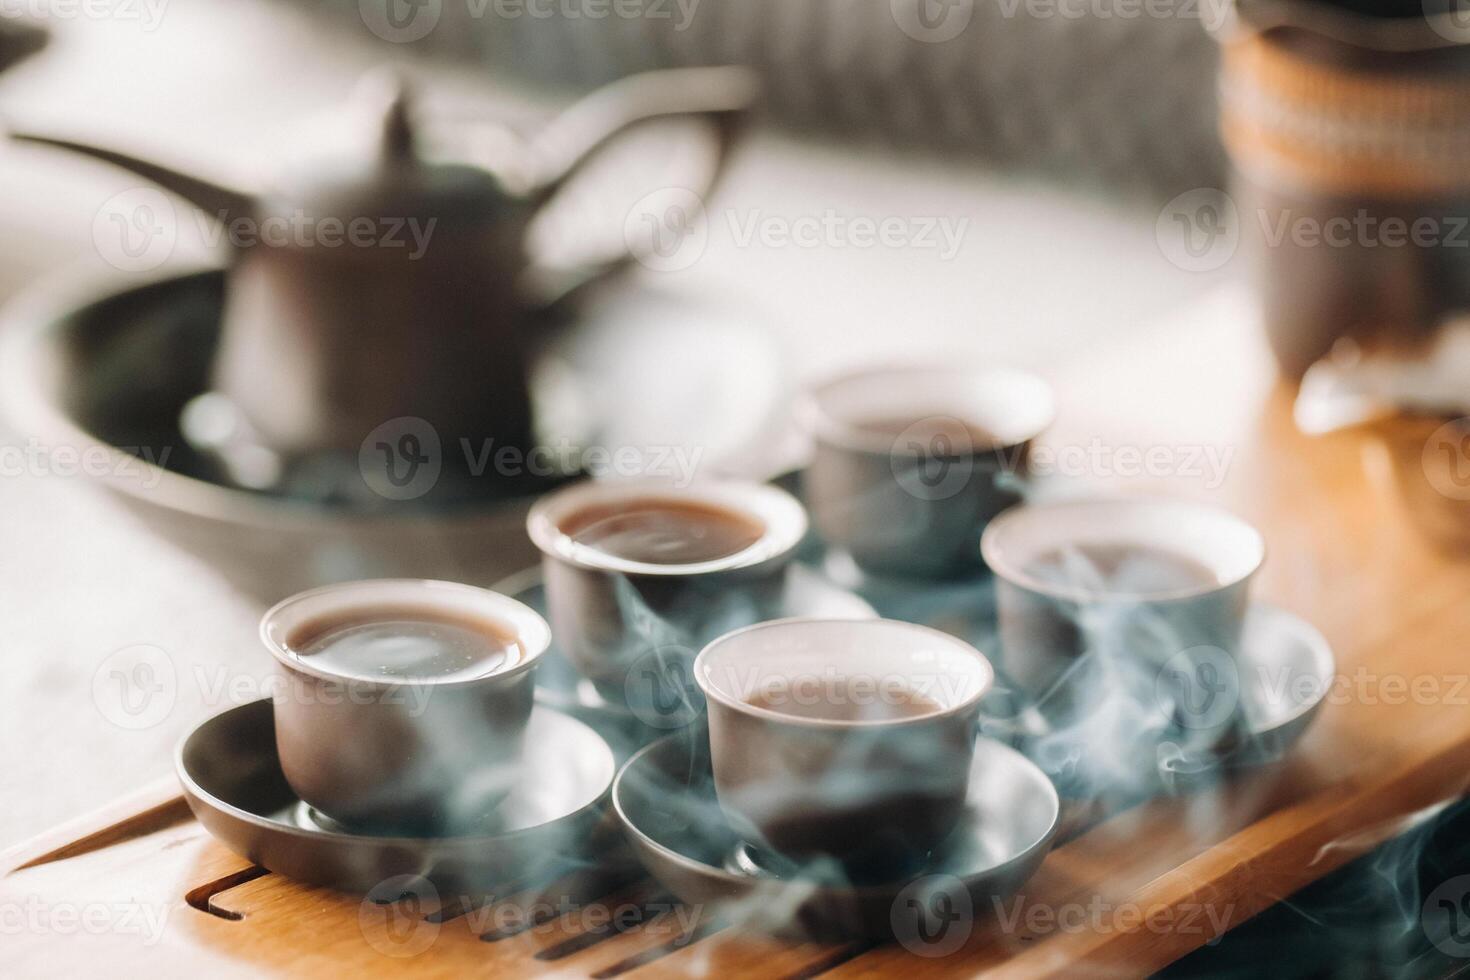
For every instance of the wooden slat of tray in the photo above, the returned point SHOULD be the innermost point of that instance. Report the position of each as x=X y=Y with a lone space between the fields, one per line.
x=1341 y=553
x=223 y=915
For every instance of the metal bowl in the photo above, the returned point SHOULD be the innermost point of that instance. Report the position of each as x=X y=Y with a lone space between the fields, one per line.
x=101 y=367
x=105 y=373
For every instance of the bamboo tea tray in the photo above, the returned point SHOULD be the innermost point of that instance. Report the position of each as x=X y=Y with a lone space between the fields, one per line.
x=142 y=890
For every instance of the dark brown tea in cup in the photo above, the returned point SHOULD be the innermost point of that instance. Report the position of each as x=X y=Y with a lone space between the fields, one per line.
x=406 y=643
x=663 y=532
x=932 y=436
x=1121 y=567
x=842 y=699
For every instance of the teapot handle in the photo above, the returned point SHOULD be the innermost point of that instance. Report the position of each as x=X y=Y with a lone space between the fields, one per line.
x=722 y=96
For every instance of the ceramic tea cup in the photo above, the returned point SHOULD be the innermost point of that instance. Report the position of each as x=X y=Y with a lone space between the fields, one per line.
x=847 y=740
x=910 y=464
x=402 y=703
x=643 y=570
x=1143 y=598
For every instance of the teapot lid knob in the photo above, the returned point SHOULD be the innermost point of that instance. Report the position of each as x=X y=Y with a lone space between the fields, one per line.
x=387 y=99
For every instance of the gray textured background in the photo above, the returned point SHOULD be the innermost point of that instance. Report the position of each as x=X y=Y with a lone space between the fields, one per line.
x=1111 y=92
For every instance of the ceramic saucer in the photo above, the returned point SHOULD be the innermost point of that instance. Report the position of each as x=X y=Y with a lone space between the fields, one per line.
x=559 y=686
x=232 y=779
x=1284 y=671
x=665 y=799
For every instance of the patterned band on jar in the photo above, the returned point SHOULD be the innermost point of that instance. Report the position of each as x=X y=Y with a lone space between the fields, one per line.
x=1310 y=126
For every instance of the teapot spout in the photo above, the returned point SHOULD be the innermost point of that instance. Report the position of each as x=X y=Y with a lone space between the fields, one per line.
x=222 y=202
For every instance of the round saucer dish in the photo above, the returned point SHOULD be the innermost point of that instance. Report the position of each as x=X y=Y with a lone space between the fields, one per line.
x=233 y=782
x=1284 y=672
x=1287 y=670
x=665 y=799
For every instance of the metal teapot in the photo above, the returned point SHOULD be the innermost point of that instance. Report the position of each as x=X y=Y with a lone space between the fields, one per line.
x=387 y=284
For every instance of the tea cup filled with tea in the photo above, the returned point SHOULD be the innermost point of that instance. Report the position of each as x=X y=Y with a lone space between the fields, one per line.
x=848 y=740
x=910 y=464
x=1138 y=592
x=638 y=569
x=403 y=702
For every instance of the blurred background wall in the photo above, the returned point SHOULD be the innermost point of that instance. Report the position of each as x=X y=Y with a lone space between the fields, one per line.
x=1057 y=139
x=1118 y=94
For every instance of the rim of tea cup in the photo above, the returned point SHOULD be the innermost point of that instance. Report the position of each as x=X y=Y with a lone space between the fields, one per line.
x=1016 y=404
x=782 y=517
x=1230 y=546
x=532 y=632
x=705 y=667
